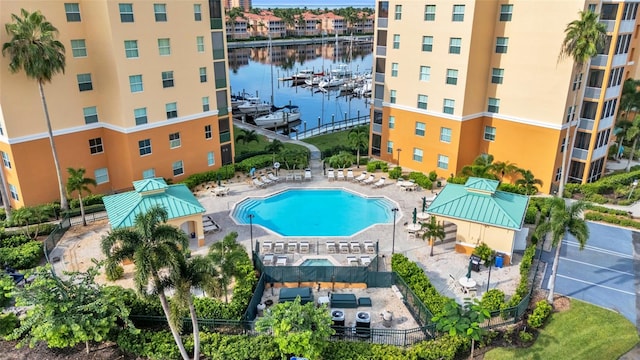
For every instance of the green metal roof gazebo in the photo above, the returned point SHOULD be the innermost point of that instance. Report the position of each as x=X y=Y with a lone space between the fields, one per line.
x=176 y=199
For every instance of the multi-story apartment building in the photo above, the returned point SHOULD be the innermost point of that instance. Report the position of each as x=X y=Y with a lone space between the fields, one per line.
x=244 y=4
x=145 y=94
x=454 y=80
x=332 y=23
x=238 y=28
x=265 y=24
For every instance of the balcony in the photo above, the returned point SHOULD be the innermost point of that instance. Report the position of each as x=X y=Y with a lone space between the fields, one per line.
x=599 y=60
x=379 y=77
x=626 y=26
x=592 y=93
x=610 y=24
x=619 y=60
x=382 y=23
x=599 y=152
x=579 y=154
x=612 y=92
x=377 y=128
x=586 y=124
x=381 y=50
x=606 y=123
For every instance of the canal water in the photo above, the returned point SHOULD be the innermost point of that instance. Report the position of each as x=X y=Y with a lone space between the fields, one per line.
x=250 y=72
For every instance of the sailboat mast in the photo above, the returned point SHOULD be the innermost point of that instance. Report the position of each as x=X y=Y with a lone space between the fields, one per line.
x=271 y=62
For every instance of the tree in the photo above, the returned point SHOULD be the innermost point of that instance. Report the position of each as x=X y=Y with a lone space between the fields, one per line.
x=247 y=136
x=463 y=320
x=78 y=183
x=302 y=330
x=481 y=167
x=563 y=218
x=358 y=138
x=528 y=182
x=632 y=134
x=28 y=215
x=224 y=255
x=33 y=48
x=156 y=248
x=583 y=38
x=433 y=231
x=69 y=311
x=274 y=147
x=504 y=168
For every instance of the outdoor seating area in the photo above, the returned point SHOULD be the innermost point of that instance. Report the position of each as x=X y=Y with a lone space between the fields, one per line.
x=209 y=225
x=293 y=176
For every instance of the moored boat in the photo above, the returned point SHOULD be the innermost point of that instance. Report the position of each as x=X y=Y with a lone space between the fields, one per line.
x=278 y=117
x=253 y=105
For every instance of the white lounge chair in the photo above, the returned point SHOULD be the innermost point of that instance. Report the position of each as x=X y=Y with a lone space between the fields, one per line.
x=370 y=180
x=267 y=259
x=272 y=177
x=279 y=247
x=380 y=182
x=355 y=247
x=282 y=261
x=352 y=261
x=266 y=180
x=331 y=247
x=257 y=183
x=344 y=248
x=297 y=177
x=331 y=175
x=365 y=260
x=288 y=177
x=369 y=247
x=361 y=177
x=292 y=247
x=341 y=175
x=304 y=247
x=349 y=175
x=307 y=174
x=267 y=246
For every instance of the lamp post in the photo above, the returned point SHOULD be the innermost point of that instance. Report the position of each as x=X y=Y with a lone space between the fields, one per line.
x=633 y=187
x=251 y=233
x=490 y=260
x=399 y=150
x=393 y=238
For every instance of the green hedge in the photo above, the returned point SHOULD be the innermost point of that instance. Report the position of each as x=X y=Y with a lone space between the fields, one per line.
x=224 y=173
x=612 y=219
x=523 y=286
x=421 y=179
x=617 y=184
x=89 y=209
x=419 y=283
x=91 y=199
x=25 y=256
x=256 y=162
x=606 y=210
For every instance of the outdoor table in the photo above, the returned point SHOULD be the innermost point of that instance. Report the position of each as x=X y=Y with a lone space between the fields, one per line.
x=422 y=215
x=467 y=283
x=220 y=190
x=414 y=227
x=407 y=185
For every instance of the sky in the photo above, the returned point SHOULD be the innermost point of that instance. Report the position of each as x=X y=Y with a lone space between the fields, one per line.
x=312 y=4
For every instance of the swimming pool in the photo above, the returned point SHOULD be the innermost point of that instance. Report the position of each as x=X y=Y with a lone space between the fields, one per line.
x=316 y=262
x=315 y=212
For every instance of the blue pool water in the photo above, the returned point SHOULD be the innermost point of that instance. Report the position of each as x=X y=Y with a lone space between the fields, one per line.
x=316 y=262
x=315 y=212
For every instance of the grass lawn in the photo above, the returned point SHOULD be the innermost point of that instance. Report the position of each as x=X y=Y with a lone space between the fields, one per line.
x=263 y=141
x=584 y=332
x=327 y=141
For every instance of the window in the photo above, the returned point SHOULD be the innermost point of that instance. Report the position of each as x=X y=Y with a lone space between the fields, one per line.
x=558 y=174
x=422 y=101
x=84 y=82
x=174 y=140
x=164 y=47
x=149 y=173
x=615 y=78
x=205 y=103
x=458 y=13
x=445 y=134
x=396 y=41
x=14 y=192
x=73 y=12
x=203 y=74
x=78 y=48
x=494 y=105
x=429 y=13
x=609 y=108
x=140 y=115
x=101 y=176
x=489 y=133
x=167 y=79
x=392 y=122
x=427 y=43
x=135 y=83
x=172 y=110
x=95 y=146
x=452 y=76
x=622 y=45
x=131 y=49
x=394 y=69
x=497 y=75
x=417 y=154
x=577 y=81
x=564 y=142
x=200 y=43
x=392 y=96
x=608 y=11
x=630 y=11
x=592 y=7
x=5 y=160
x=398 y=12
x=126 y=12
x=420 y=128
x=425 y=73
x=454 y=45
x=197 y=12
x=443 y=162
x=501 y=45
x=207 y=132
x=178 y=169
x=90 y=114
x=571 y=113
x=160 y=11
x=144 y=147
x=211 y=158
x=506 y=10
x=448 y=106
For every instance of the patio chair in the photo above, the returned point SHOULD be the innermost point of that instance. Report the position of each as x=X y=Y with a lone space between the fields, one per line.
x=370 y=180
x=361 y=177
x=331 y=247
x=307 y=174
x=292 y=247
x=341 y=175
x=267 y=260
x=355 y=247
x=304 y=247
x=349 y=175
x=288 y=177
x=331 y=175
x=352 y=261
x=257 y=183
x=267 y=246
x=279 y=248
x=365 y=260
x=272 y=177
x=380 y=182
x=282 y=261
x=344 y=248
x=369 y=247
x=297 y=177
x=266 y=180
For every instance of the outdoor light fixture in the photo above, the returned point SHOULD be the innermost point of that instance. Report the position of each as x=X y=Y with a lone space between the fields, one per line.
x=251 y=233
x=399 y=150
x=633 y=187
x=393 y=241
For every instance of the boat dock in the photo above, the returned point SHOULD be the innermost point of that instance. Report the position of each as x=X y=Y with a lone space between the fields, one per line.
x=297 y=41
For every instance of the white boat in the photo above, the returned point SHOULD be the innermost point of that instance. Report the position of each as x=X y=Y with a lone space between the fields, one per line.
x=364 y=89
x=329 y=82
x=303 y=74
x=279 y=117
x=252 y=105
x=314 y=81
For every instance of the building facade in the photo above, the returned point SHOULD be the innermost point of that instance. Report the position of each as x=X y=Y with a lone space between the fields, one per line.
x=145 y=94
x=454 y=80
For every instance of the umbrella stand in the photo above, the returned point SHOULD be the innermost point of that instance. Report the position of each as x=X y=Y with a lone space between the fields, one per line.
x=415 y=215
x=424 y=204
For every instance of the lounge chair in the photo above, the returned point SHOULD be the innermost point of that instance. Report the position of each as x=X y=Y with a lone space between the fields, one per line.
x=355 y=247
x=349 y=175
x=365 y=260
x=267 y=260
x=267 y=246
x=331 y=175
x=292 y=247
x=331 y=247
x=288 y=177
x=304 y=247
x=379 y=183
x=272 y=177
x=341 y=175
x=307 y=174
x=266 y=180
x=352 y=261
x=282 y=261
x=369 y=247
x=361 y=177
x=370 y=180
x=344 y=248
x=257 y=183
x=279 y=248
x=297 y=177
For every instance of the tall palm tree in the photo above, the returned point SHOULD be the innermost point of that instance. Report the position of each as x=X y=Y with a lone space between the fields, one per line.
x=433 y=231
x=563 y=218
x=155 y=248
x=358 y=138
x=504 y=168
x=481 y=167
x=528 y=182
x=33 y=48
x=224 y=255
x=583 y=38
x=629 y=102
x=632 y=134
x=247 y=136
x=77 y=182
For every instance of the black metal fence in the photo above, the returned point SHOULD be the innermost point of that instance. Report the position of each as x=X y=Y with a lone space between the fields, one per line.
x=330 y=127
x=54 y=237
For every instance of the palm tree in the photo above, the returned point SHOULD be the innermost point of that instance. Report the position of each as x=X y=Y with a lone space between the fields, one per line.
x=504 y=168
x=583 y=38
x=77 y=182
x=481 y=167
x=358 y=138
x=563 y=218
x=632 y=134
x=433 y=231
x=629 y=100
x=155 y=248
x=247 y=136
x=528 y=182
x=33 y=48
x=224 y=255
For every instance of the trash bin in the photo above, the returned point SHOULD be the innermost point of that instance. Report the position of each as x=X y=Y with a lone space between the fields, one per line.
x=499 y=261
x=475 y=263
x=439 y=183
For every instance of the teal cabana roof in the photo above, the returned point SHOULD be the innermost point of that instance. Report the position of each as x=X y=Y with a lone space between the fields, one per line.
x=176 y=199
x=479 y=201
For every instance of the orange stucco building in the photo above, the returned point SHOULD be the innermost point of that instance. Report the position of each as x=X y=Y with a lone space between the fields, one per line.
x=145 y=94
x=454 y=80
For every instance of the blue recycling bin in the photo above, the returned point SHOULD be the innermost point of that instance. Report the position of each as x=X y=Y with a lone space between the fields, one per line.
x=499 y=261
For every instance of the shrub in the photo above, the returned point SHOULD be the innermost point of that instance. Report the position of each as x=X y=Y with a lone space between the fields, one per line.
x=421 y=179
x=531 y=214
x=25 y=256
x=525 y=336
x=114 y=272
x=433 y=175
x=512 y=188
x=395 y=173
x=8 y=322
x=7 y=285
x=492 y=300
x=483 y=251
x=596 y=198
x=91 y=199
x=341 y=160
x=372 y=166
x=606 y=210
x=540 y=314
x=419 y=283
x=457 y=180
